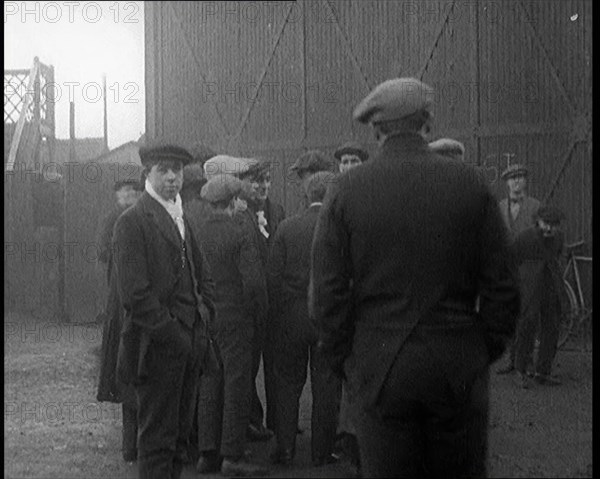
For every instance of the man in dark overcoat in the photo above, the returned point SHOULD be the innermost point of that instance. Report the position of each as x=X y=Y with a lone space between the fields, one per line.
x=167 y=292
x=127 y=193
x=262 y=217
x=518 y=210
x=295 y=339
x=110 y=389
x=403 y=246
x=538 y=251
x=240 y=293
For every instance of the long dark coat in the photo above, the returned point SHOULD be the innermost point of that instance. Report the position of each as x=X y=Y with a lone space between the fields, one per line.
x=402 y=237
x=148 y=259
x=109 y=387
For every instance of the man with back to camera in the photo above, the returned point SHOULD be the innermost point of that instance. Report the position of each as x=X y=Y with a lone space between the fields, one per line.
x=295 y=339
x=305 y=165
x=518 y=210
x=401 y=252
x=167 y=291
x=224 y=396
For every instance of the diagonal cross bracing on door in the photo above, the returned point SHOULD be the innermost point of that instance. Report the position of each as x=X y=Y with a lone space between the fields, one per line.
x=546 y=57
x=196 y=60
x=246 y=115
x=435 y=43
x=348 y=46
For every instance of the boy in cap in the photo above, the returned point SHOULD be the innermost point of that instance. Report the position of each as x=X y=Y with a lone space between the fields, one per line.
x=538 y=250
x=349 y=156
x=395 y=261
x=294 y=336
x=518 y=210
x=167 y=292
x=224 y=396
x=109 y=387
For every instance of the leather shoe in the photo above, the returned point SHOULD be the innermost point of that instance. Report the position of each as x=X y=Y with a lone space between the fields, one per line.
x=546 y=380
x=242 y=468
x=209 y=462
x=285 y=457
x=258 y=433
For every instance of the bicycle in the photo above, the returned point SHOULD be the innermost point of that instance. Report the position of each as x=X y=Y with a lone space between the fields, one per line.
x=575 y=320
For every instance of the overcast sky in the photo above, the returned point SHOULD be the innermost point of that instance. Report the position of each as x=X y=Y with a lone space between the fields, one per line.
x=83 y=40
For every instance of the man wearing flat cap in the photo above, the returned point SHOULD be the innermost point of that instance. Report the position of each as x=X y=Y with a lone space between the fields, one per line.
x=167 y=292
x=110 y=389
x=305 y=165
x=349 y=156
x=399 y=256
x=295 y=337
x=518 y=210
x=263 y=217
x=538 y=251
x=224 y=396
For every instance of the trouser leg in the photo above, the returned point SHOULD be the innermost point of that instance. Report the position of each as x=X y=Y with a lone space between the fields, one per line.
x=162 y=406
x=130 y=430
x=210 y=409
x=550 y=316
x=235 y=343
x=457 y=433
x=290 y=367
x=526 y=329
x=326 y=391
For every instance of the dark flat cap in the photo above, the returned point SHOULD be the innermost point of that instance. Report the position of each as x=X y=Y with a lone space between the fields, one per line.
x=137 y=184
x=311 y=162
x=221 y=187
x=514 y=170
x=154 y=153
x=351 y=148
x=256 y=168
x=550 y=214
x=394 y=99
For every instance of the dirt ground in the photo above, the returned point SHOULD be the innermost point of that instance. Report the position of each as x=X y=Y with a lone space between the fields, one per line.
x=55 y=428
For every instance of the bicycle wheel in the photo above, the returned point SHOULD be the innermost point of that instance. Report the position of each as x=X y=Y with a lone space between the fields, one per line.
x=568 y=317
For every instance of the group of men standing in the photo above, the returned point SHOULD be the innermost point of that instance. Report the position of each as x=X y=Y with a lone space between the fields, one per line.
x=396 y=285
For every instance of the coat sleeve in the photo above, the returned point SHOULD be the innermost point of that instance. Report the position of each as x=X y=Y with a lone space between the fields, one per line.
x=133 y=281
x=498 y=281
x=105 y=239
x=330 y=291
x=206 y=283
